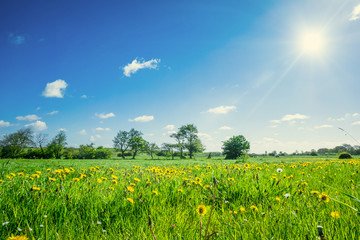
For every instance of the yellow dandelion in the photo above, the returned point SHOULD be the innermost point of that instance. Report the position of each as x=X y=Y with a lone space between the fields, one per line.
x=136 y=180
x=314 y=192
x=99 y=180
x=130 y=200
x=231 y=212
x=324 y=197
x=254 y=208
x=201 y=209
x=242 y=209
x=132 y=184
x=246 y=165
x=180 y=190
x=335 y=214
x=155 y=192
x=277 y=199
x=35 y=188
x=114 y=182
x=235 y=212
x=17 y=237
x=230 y=179
x=113 y=176
x=130 y=189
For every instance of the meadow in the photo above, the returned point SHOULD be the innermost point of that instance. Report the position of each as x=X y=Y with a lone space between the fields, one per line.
x=263 y=198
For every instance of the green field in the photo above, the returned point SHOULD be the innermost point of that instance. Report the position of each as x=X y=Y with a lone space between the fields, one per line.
x=113 y=199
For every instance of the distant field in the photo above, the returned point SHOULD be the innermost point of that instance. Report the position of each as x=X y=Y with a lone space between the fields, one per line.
x=264 y=198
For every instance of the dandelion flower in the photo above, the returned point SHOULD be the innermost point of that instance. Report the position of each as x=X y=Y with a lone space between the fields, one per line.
x=335 y=214
x=314 y=192
x=201 y=209
x=99 y=180
x=242 y=209
x=180 y=190
x=155 y=192
x=254 y=208
x=287 y=195
x=17 y=237
x=277 y=199
x=35 y=188
x=130 y=189
x=136 y=180
x=279 y=170
x=130 y=200
x=324 y=197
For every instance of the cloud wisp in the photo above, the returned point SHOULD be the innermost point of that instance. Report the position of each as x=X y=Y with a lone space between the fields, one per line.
x=144 y=118
x=225 y=128
x=136 y=65
x=355 y=14
x=4 y=124
x=16 y=39
x=29 y=118
x=37 y=126
x=102 y=129
x=105 y=115
x=221 y=109
x=55 y=89
x=53 y=112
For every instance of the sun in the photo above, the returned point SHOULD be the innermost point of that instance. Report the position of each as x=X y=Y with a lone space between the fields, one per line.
x=312 y=43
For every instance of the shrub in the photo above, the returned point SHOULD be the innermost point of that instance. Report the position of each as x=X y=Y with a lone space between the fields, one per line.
x=344 y=155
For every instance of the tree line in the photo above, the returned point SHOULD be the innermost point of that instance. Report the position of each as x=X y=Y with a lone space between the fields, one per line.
x=25 y=144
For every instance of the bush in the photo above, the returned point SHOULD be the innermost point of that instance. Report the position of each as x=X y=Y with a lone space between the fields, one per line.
x=344 y=155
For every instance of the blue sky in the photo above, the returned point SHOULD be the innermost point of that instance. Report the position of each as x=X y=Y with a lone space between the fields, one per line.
x=282 y=73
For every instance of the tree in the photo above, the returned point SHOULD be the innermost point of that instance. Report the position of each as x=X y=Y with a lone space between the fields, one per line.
x=40 y=141
x=150 y=148
x=136 y=142
x=235 y=147
x=180 y=142
x=121 y=142
x=57 y=145
x=169 y=148
x=13 y=144
x=192 y=141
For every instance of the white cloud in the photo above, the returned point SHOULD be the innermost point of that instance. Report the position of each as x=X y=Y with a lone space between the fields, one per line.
x=84 y=96
x=136 y=65
x=82 y=132
x=169 y=127
x=355 y=14
x=55 y=89
x=356 y=114
x=18 y=40
x=225 y=128
x=37 y=126
x=356 y=123
x=221 y=109
x=37 y=109
x=324 y=126
x=62 y=130
x=204 y=136
x=4 y=124
x=53 y=112
x=102 y=129
x=105 y=116
x=92 y=139
x=97 y=136
x=144 y=118
x=297 y=116
x=30 y=118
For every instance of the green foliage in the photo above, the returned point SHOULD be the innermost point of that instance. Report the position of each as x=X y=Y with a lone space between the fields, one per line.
x=235 y=147
x=57 y=145
x=344 y=155
x=13 y=145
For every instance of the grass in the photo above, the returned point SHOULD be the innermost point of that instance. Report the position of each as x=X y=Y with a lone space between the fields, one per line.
x=92 y=199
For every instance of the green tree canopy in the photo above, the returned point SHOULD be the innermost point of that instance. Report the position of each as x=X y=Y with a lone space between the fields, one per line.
x=192 y=141
x=235 y=147
x=13 y=144
x=57 y=145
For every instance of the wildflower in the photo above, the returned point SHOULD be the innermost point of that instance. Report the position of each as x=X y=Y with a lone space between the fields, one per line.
x=130 y=189
x=304 y=183
x=132 y=184
x=235 y=212
x=180 y=190
x=155 y=192
x=201 y=209
x=103 y=230
x=5 y=223
x=111 y=188
x=314 y=192
x=279 y=170
x=114 y=182
x=277 y=199
x=19 y=229
x=41 y=225
x=76 y=179
x=242 y=209
x=114 y=177
x=230 y=212
x=287 y=195
x=99 y=180
x=246 y=165
x=254 y=208
x=136 y=180
x=17 y=237
x=335 y=214
x=35 y=189
x=98 y=222
x=324 y=197
x=130 y=200
x=230 y=179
